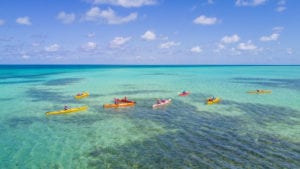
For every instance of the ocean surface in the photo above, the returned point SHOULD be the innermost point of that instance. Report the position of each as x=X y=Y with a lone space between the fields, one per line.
x=242 y=131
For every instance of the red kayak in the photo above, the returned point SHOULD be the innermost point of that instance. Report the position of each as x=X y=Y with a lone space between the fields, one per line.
x=184 y=94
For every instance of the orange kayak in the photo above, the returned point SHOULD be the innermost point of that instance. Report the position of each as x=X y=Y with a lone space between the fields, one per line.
x=129 y=104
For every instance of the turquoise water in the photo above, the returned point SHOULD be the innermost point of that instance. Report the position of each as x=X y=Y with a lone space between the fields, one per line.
x=243 y=131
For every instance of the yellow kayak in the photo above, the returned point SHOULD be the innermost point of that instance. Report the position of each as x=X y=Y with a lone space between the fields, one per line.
x=259 y=92
x=216 y=100
x=129 y=104
x=82 y=95
x=70 y=110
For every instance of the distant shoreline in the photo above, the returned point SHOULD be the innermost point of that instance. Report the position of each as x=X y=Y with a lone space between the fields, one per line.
x=137 y=65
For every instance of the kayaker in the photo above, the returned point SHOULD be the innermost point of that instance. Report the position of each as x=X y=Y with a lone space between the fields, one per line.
x=66 y=108
x=211 y=98
x=158 y=101
x=78 y=94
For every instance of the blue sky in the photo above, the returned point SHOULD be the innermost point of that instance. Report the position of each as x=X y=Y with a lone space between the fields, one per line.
x=149 y=32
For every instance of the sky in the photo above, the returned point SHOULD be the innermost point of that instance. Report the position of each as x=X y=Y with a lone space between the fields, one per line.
x=149 y=32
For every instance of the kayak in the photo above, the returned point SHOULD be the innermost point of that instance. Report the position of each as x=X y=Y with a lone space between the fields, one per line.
x=216 y=100
x=83 y=95
x=70 y=110
x=259 y=92
x=184 y=94
x=166 y=102
x=129 y=104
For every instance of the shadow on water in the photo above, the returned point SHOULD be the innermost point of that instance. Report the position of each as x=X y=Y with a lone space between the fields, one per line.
x=6 y=99
x=263 y=113
x=62 y=82
x=27 y=76
x=79 y=119
x=269 y=82
x=132 y=92
x=38 y=95
x=21 y=82
x=200 y=139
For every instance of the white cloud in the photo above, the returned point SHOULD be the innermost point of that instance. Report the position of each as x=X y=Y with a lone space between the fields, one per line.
x=272 y=37
x=52 y=48
x=289 y=51
x=221 y=46
x=203 y=20
x=168 y=44
x=96 y=14
x=230 y=39
x=277 y=29
x=249 y=2
x=149 y=35
x=247 y=46
x=23 y=20
x=35 y=44
x=126 y=3
x=196 y=49
x=118 y=41
x=91 y=35
x=280 y=8
x=2 y=22
x=24 y=56
x=66 y=18
x=89 y=46
x=210 y=1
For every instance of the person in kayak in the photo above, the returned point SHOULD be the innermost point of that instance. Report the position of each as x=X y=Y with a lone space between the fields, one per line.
x=79 y=94
x=211 y=99
x=116 y=101
x=66 y=108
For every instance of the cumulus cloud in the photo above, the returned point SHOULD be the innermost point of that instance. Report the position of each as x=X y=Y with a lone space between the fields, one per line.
x=66 y=18
x=272 y=37
x=277 y=29
x=203 y=20
x=230 y=39
x=91 y=35
x=125 y=3
x=196 y=49
x=96 y=14
x=52 y=48
x=119 y=41
x=247 y=46
x=2 y=22
x=289 y=51
x=23 y=20
x=89 y=46
x=169 y=44
x=280 y=8
x=210 y=1
x=149 y=35
x=24 y=56
x=249 y=2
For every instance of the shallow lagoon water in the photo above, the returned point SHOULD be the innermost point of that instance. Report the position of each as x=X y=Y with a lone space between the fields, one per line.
x=243 y=131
